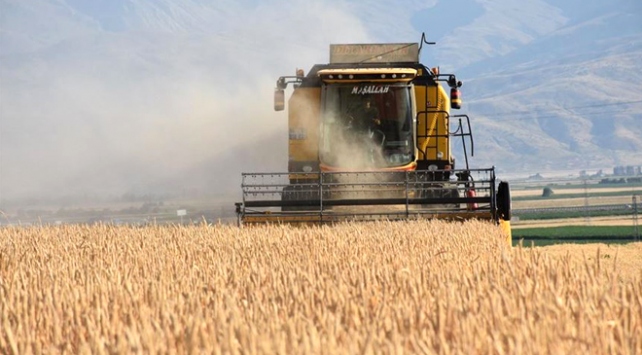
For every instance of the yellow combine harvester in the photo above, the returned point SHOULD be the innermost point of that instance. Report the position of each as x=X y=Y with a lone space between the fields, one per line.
x=370 y=137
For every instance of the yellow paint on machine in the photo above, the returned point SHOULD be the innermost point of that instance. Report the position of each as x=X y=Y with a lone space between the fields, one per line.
x=505 y=226
x=434 y=122
x=315 y=218
x=304 y=113
x=408 y=73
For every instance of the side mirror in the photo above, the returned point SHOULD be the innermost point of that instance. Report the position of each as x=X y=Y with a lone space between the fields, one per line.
x=279 y=99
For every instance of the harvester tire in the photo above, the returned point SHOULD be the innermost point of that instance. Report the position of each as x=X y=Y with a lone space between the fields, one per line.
x=504 y=201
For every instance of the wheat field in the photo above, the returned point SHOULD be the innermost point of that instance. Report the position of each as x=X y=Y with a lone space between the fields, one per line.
x=416 y=287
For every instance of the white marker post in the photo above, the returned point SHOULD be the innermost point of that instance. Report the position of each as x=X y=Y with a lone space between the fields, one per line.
x=181 y=213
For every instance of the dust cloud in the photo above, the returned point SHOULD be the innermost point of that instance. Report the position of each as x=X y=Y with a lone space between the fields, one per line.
x=101 y=114
x=351 y=148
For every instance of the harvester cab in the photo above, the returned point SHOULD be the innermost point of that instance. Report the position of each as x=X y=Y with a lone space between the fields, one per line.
x=370 y=137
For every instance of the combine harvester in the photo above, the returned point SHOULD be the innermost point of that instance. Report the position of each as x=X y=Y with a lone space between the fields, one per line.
x=370 y=137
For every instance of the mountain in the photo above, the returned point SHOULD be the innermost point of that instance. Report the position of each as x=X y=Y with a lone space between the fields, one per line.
x=570 y=99
x=116 y=96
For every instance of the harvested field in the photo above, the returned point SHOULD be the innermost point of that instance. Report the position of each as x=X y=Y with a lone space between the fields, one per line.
x=580 y=221
x=572 y=202
x=411 y=287
x=561 y=190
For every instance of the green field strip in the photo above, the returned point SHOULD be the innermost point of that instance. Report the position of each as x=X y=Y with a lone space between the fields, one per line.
x=576 y=232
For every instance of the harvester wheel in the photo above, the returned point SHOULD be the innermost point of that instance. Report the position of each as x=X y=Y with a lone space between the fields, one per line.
x=504 y=201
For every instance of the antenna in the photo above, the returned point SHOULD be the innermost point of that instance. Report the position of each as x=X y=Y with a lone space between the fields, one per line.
x=424 y=41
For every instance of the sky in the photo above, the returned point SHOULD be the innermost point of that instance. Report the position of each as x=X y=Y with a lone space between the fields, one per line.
x=106 y=98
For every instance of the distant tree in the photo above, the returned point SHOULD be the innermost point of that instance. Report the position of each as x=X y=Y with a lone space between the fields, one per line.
x=547 y=192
